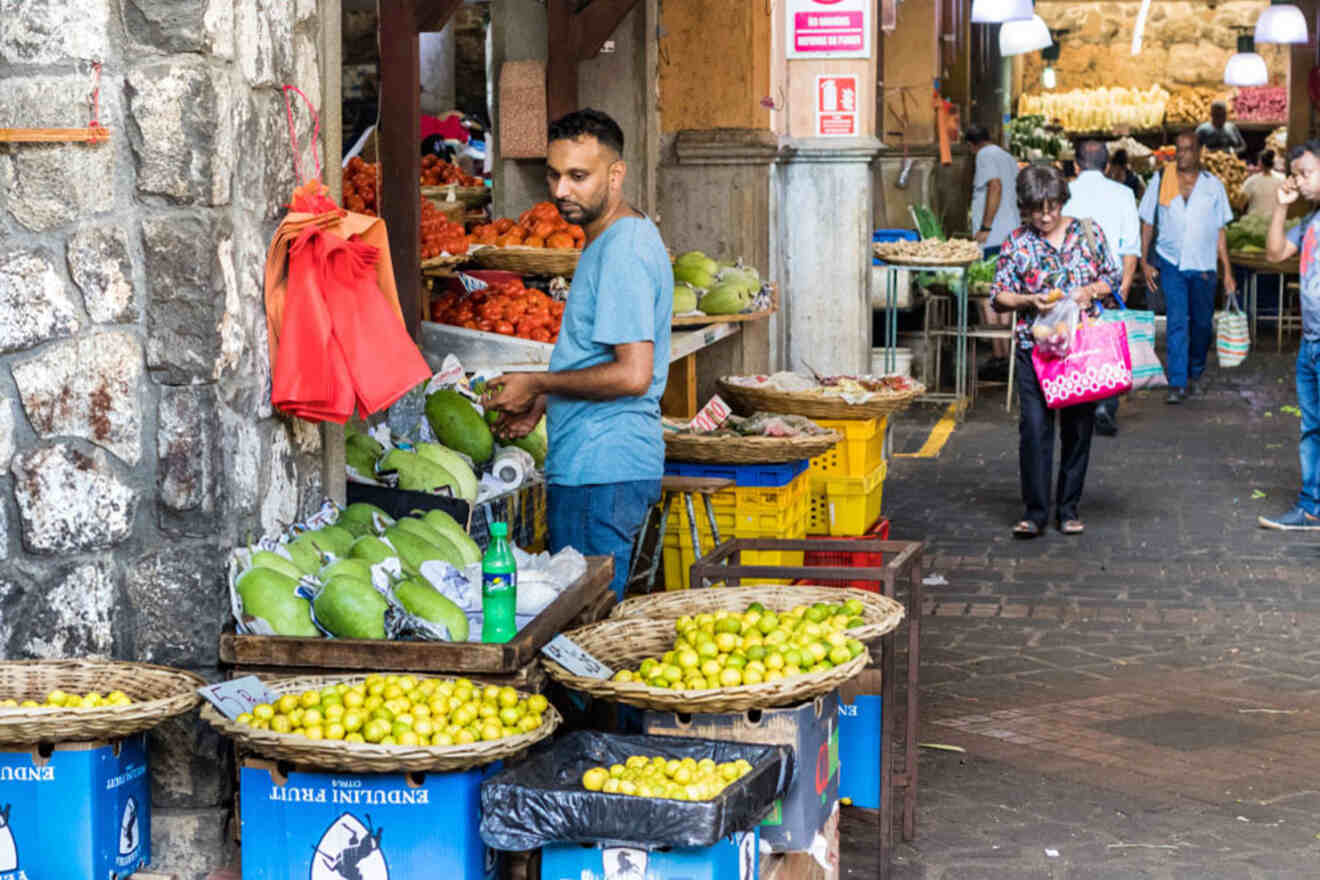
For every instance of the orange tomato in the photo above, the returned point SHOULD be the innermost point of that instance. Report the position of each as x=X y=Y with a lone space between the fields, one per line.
x=503 y=225
x=560 y=240
x=535 y=241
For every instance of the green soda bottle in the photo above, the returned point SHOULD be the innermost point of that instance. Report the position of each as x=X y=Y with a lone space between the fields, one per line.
x=499 y=587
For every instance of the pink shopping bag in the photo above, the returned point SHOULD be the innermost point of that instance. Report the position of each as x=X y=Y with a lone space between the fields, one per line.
x=1097 y=366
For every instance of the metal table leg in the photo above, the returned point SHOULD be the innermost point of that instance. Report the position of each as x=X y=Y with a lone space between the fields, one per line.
x=960 y=344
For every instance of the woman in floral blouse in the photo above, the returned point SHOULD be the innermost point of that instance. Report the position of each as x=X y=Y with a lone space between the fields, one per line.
x=1050 y=251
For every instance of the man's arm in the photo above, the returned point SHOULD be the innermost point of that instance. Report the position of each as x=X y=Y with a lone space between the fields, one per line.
x=1147 y=267
x=994 y=191
x=1129 y=271
x=628 y=375
x=1239 y=145
x=1230 y=283
x=1280 y=245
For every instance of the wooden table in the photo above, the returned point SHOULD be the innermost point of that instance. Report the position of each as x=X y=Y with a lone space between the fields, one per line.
x=903 y=560
x=1256 y=264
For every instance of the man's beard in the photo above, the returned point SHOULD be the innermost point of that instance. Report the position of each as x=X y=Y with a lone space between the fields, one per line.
x=579 y=214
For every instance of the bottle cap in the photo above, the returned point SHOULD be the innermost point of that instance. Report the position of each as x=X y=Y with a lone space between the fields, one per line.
x=499 y=530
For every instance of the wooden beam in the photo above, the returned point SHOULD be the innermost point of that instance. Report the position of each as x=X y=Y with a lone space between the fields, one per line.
x=433 y=15
x=594 y=25
x=575 y=36
x=400 y=152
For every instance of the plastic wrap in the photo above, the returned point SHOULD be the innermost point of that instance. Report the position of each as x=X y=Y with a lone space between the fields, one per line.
x=1053 y=330
x=542 y=800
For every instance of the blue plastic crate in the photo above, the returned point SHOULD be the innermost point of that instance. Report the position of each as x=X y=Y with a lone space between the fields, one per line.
x=861 y=722
x=744 y=475
x=882 y=235
x=734 y=858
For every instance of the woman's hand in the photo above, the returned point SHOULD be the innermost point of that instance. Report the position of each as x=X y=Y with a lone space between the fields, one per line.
x=1041 y=302
x=1082 y=296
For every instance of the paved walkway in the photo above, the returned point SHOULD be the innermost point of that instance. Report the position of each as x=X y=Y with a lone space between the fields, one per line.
x=1139 y=701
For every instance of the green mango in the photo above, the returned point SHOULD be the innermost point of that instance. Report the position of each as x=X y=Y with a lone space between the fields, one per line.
x=332 y=539
x=430 y=535
x=457 y=425
x=685 y=298
x=415 y=550
x=745 y=275
x=417 y=474
x=438 y=520
x=372 y=550
x=447 y=526
x=354 y=437
x=357 y=568
x=270 y=595
x=267 y=559
x=428 y=603
x=361 y=461
x=306 y=554
x=450 y=461
x=694 y=276
x=535 y=443
x=357 y=518
x=351 y=609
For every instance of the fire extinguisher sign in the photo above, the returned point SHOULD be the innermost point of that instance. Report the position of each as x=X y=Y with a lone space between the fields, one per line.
x=836 y=105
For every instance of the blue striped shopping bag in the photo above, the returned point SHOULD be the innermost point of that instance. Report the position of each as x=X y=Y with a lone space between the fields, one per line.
x=1232 y=340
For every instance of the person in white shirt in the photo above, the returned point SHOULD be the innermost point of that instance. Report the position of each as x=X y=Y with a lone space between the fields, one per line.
x=1260 y=188
x=1113 y=208
x=994 y=216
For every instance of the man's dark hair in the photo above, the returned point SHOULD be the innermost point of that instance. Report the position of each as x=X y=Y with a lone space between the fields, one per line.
x=976 y=134
x=1312 y=146
x=1092 y=156
x=589 y=122
x=1266 y=159
x=1119 y=159
x=1038 y=184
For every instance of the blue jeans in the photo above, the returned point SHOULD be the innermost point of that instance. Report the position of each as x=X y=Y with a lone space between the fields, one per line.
x=1189 y=301
x=1308 y=401
x=601 y=520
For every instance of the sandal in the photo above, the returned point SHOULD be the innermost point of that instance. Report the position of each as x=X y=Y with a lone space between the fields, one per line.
x=1072 y=527
x=1026 y=529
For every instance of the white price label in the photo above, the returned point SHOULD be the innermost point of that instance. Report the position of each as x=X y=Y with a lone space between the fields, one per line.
x=572 y=657
x=235 y=697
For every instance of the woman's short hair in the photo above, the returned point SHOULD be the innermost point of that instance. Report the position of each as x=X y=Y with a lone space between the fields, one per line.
x=1038 y=184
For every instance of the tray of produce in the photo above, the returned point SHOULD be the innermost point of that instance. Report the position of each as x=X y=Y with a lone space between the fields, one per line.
x=1099 y=109
x=832 y=397
x=658 y=790
x=445 y=181
x=929 y=252
x=708 y=291
x=507 y=308
x=540 y=242
x=762 y=438
x=658 y=667
x=389 y=724
x=853 y=613
x=1261 y=104
x=65 y=700
x=1232 y=173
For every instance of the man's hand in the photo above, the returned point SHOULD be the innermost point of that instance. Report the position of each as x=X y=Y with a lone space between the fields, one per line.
x=981 y=236
x=512 y=393
x=1151 y=274
x=1287 y=193
x=511 y=426
x=1230 y=284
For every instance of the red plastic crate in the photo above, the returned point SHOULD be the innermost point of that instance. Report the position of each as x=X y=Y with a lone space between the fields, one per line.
x=849 y=559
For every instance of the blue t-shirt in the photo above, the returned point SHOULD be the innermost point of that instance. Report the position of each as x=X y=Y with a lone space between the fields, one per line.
x=1306 y=236
x=623 y=291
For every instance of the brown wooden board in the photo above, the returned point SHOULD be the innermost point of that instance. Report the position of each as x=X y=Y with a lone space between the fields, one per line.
x=419 y=656
x=702 y=320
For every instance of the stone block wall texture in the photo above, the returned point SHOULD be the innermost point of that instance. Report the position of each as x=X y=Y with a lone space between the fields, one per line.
x=137 y=441
x=1184 y=44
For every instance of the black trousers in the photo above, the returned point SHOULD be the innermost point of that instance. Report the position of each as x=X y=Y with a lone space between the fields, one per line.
x=1036 y=448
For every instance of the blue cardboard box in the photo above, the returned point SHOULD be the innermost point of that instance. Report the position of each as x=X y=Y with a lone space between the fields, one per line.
x=860 y=727
x=369 y=826
x=77 y=810
x=811 y=729
x=736 y=857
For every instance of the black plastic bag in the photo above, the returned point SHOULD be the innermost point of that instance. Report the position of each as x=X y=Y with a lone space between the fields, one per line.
x=542 y=800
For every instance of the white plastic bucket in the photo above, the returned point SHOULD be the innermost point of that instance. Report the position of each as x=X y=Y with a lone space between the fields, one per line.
x=902 y=362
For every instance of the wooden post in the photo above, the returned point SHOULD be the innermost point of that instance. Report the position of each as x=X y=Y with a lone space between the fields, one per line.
x=400 y=151
x=574 y=37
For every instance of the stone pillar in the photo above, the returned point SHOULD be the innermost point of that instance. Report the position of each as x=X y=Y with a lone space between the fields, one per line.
x=823 y=223
x=438 y=54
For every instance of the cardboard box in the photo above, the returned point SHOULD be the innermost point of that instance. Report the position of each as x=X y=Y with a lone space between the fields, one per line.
x=860 y=726
x=373 y=826
x=79 y=810
x=810 y=728
x=737 y=857
x=820 y=862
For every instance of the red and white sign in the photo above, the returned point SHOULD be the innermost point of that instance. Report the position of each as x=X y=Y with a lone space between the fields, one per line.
x=836 y=105
x=829 y=28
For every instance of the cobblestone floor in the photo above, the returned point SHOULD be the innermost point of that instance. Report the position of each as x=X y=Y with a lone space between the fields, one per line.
x=1142 y=700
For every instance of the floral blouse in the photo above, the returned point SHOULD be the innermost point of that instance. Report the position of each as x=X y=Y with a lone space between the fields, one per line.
x=1029 y=264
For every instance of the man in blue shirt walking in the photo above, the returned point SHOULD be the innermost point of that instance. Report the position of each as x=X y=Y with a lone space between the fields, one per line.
x=1192 y=209
x=1304 y=237
x=601 y=395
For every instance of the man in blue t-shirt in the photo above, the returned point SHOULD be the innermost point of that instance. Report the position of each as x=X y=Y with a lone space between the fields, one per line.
x=601 y=395
x=1304 y=237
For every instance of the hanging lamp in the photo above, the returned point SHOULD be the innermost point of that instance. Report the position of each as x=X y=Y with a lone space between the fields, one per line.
x=1281 y=22
x=990 y=11
x=1028 y=35
x=1246 y=68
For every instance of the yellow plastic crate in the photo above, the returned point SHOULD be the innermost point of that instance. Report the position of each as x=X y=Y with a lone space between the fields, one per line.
x=845 y=506
x=860 y=452
x=678 y=559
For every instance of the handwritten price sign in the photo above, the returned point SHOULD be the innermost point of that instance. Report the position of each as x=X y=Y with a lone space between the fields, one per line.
x=233 y=698
x=575 y=659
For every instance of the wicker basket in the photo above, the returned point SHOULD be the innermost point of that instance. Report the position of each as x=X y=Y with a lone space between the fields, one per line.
x=368 y=757
x=158 y=693
x=750 y=399
x=467 y=195
x=445 y=261
x=626 y=642
x=882 y=614
x=530 y=260
x=747 y=450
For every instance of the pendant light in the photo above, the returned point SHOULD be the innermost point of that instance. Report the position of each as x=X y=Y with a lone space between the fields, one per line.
x=1049 y=55
x=1246 y=68
x=1029 y=35
x=1281 y=22
x=990 y=11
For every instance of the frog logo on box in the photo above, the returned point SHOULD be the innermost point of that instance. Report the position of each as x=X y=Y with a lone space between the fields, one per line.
x=624 y=863
x=8 y=849
x=350 y=850
x=129 y=836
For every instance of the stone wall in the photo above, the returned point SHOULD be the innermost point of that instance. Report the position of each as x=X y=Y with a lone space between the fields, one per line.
x=1184 y=44
x=137 y=441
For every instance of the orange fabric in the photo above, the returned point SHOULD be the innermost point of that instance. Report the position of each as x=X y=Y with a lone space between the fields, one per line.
x=1169 y=183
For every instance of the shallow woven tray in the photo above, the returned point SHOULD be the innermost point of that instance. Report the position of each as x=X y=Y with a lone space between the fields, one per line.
x=747 y=450
x=368 y=757
x=447 y=260
x=889 y=255
x=468 y=195
x=625 y=642
x=158 y=693
x=882 y=614
x=747 y=399
x=529 y=260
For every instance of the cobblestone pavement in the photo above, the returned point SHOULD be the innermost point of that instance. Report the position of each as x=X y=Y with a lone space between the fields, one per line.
x=1142 y=700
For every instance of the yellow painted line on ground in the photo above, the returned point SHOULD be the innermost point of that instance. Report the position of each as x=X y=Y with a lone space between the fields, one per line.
x=939 y=435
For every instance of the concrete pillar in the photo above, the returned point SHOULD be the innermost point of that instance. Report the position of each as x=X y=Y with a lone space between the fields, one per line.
x=437 y=71
x=823 y=217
